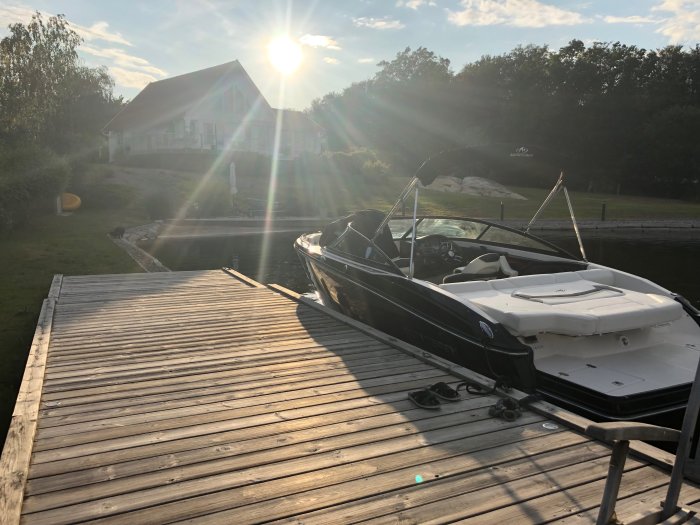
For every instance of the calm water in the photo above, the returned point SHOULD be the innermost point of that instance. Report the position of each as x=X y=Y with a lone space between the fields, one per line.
x=669 y=258
x=281 y=265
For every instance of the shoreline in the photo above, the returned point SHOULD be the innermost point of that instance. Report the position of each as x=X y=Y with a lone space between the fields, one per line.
x=610 y=225
x=226 y=227
x=235 y=226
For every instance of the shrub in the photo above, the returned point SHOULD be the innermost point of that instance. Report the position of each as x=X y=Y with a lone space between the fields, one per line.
x=159 y=206
x=214 y=200
x=248 y=164
x=14 y=200
x=374 y=169
x=356 y=163
x=30 y=179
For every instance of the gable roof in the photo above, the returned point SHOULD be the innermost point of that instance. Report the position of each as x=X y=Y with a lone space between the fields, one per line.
x=298 y=121
x=160 y=102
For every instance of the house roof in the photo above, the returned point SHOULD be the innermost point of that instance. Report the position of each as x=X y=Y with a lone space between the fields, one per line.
x=298 y=121
x=164 y=100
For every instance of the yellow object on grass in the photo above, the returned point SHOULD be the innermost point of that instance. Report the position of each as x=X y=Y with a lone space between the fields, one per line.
x=70 y=201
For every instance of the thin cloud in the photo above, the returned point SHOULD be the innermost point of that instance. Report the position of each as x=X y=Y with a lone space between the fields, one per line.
x=331 y=60
x=515 y=13
x=367 y=60
x=319 y=41
x=635 y=19
x=127 y=70
x=130 y=78
x=378 y=23
x=683 y=22
x=415 y=4
x=19 y=14
x=123 y=59
x=14 y=14
x=100 y=31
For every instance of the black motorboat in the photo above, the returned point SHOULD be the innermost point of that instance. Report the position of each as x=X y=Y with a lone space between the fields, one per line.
x=509 y=305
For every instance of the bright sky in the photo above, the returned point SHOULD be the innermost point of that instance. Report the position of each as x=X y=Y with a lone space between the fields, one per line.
x=341 y=41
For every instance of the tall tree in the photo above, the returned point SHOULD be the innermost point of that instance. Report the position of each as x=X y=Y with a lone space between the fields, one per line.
x=44 y=88
x=622 y=115
x=419 y=65
x=401 y=110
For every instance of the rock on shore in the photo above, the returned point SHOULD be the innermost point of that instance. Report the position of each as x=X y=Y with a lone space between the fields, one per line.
x=474 y=186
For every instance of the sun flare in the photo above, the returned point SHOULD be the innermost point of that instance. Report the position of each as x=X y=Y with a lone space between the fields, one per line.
x=285 y=55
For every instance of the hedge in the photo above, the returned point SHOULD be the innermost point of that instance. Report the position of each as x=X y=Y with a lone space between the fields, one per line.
x=30 y=179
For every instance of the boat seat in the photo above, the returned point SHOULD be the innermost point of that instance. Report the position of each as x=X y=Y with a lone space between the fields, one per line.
x=597 y=275
x=484 y=267
x=568 y=303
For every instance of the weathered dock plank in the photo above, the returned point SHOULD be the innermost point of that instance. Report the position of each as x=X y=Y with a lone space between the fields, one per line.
x=205 y=397
x=14 y=463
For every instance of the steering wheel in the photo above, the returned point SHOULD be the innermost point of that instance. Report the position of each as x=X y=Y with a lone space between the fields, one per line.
x=437 y=247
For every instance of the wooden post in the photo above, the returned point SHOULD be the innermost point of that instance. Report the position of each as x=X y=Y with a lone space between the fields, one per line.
x=602 y=212
x=612 y=483
x=502 y=211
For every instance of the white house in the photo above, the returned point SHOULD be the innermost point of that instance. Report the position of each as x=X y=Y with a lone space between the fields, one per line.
x=216 y=108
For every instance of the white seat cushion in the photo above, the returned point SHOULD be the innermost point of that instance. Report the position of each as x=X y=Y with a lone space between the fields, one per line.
x=566 y=304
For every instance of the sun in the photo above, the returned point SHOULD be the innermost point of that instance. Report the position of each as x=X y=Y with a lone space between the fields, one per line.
x=284 y=54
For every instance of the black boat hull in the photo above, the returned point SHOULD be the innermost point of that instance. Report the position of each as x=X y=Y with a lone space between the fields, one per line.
x=397 y=307
x=445 y=327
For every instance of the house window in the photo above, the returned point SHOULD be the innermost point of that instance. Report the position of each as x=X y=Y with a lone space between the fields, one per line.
x=208 y=133
x=193 y=127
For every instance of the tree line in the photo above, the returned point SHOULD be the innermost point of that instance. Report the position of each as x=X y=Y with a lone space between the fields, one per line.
x=623 y=117
x=52 y=111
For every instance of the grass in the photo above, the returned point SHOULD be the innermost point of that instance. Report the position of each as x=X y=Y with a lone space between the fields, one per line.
x=367 y=194
x=70 y=245
x=78 y=244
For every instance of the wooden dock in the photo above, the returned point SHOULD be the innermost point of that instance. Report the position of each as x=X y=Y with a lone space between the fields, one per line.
x=204 y=397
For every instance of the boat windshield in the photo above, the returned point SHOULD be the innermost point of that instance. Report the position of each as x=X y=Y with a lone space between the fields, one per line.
x=468 y=229
x=353 y=244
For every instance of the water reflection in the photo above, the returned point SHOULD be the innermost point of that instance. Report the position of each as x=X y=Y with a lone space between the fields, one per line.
x=241 y=252
x=667 y=257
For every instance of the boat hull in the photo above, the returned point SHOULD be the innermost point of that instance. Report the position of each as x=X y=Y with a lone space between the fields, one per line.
x=397 y=307
x=447 y=328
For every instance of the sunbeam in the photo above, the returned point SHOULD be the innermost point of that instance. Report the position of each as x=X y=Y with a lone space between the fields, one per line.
x=193 y=197
x=274 y=168
x=272 y=189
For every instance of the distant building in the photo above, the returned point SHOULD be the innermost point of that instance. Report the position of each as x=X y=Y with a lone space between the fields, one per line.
x=216 y=108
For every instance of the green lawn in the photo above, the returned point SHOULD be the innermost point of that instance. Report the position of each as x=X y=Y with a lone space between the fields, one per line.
x=586 y=205
x=70 y=245
x=78 y=244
